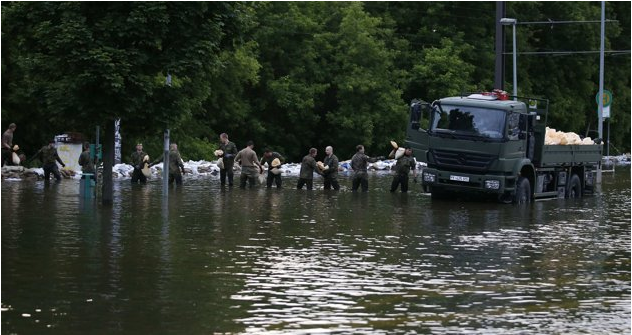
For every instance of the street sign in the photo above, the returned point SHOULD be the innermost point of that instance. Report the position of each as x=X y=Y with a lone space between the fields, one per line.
x=533 y=104
x=606 y=112
x=607 y=98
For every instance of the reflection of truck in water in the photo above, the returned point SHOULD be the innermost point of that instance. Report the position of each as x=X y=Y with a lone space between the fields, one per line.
x=487 y=144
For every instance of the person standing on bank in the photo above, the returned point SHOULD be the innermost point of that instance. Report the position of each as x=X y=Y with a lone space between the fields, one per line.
x=330 y=173
x=138 y=160
x=49 y=157
x=273 y=175
x=247 y=159
x=229 y=150
x=7 y=144
x=404 y=164
x=86 y=162
x=308 y=166
x=176 y=165
x=359 y=164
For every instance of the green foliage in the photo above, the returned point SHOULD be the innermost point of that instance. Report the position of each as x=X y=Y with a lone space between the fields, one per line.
x=443 y=72
x=290 y=75
x=81 y=64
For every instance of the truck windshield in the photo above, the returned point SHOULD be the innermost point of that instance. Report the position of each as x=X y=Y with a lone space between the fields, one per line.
x=468 y=121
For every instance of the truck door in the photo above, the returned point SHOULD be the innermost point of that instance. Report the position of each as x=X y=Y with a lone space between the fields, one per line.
x=417 y=129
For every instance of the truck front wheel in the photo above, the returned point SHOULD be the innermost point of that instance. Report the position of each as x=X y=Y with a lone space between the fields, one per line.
x=523 y=191
x=574 y=188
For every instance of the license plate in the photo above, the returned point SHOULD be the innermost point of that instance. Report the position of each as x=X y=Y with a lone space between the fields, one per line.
x=460 y=178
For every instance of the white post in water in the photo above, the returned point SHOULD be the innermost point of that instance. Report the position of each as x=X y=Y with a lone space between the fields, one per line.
x=165 y=165
x=601 y=57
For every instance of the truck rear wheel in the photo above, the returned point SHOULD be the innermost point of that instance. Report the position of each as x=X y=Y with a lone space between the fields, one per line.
x=523 y=191
x=574 y=188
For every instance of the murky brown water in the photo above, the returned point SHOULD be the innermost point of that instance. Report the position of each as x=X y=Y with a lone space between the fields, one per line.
x=289 y=262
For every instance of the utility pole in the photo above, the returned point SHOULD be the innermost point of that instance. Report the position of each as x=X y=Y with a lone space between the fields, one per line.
x=499 y=73
x=165 y=165
x=601 y=62
x=108 y=162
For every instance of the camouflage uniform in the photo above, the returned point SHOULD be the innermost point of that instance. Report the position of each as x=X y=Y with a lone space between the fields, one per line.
x=49 y=157
x=248 y=160
x=402 y=170
x=331 y=173
x=359 y=164
x=86 y=162
x=276 y=178
x=306 y=176
x=7 y=145
x=176 y=166
x=137 y=162
x=230 y=150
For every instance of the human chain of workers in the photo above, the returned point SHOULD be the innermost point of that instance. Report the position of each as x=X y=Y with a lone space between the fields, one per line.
x=228 y=155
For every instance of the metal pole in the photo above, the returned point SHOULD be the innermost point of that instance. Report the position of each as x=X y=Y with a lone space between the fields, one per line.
x=107 y=188
x=608 y=143
x=601 y=61
x=515 y=63
x=96 y=162
x=165 y=165
x=499 y=73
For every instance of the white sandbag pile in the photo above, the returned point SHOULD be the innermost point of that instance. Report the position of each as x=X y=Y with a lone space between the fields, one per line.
x=554 y=137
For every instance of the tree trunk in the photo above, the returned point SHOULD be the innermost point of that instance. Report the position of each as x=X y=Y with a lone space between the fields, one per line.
x=108 y=162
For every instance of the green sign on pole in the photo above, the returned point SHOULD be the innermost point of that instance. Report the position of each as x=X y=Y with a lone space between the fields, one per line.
x=607 y=98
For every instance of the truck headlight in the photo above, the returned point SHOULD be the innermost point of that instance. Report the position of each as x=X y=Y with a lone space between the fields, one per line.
x=429 y=177
x=492 y=184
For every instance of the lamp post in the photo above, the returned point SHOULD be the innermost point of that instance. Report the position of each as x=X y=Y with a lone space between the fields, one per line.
x=506 y=22
x=165 y=153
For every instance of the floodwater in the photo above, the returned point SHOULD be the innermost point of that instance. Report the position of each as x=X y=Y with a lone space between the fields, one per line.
x=207 y=260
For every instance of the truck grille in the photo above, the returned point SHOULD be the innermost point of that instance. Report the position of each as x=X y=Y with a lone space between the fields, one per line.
x=462 y=161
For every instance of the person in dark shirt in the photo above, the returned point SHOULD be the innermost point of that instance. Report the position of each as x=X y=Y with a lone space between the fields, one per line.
x=138 y=160
x=274 y=176
x=308 y=166
x=359 y=164
x=403 y=166
x=330 y=173
x=85 y=160
x=7 y=145
x=49 y=157
x=176 y=166
x=229 y=150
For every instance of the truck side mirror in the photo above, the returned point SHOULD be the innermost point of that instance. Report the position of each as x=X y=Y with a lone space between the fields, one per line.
x=417 y=109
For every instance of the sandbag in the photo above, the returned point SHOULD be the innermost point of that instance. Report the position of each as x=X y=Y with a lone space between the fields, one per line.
x=15 y=158
x=554 y=137
x=145 y=170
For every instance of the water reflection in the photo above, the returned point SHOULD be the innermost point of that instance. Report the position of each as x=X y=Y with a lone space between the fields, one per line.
x=211 y=259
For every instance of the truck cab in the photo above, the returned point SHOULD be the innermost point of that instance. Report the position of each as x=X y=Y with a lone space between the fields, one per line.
x=492 y=144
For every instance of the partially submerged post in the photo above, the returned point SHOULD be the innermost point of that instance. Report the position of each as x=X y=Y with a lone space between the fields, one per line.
x=601 y=61
x=108 y=162
x=165 y=165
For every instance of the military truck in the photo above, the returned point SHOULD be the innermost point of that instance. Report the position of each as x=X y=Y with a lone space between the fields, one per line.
x=493 y=144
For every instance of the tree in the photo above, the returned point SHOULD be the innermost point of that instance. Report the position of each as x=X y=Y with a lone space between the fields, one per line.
x=328 y=78
x=81 y=64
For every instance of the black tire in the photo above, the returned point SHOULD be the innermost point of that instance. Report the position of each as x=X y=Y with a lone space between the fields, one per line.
x=574 y=190
x=505 y=198
x=523 y=191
